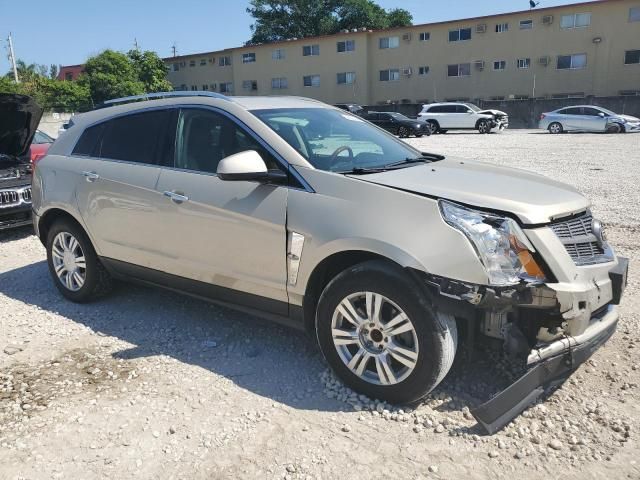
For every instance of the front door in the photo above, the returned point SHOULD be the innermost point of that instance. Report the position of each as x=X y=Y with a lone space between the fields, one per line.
x=227 y=234
x=593 y=119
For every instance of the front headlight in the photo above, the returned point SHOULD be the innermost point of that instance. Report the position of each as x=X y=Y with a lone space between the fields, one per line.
x=500 y=243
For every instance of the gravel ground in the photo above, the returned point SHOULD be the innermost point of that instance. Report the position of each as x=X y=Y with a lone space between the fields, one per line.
x=150 y=384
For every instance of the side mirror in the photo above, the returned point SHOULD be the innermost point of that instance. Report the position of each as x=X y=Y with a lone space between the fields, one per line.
x=601 y=115
x=247 y=166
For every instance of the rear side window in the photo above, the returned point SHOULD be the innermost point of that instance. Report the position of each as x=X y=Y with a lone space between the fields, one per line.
x=88 y=142
x=435 y=110
x=135 y=138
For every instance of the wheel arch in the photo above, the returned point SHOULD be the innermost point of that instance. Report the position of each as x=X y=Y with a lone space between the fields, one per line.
x=50 y=216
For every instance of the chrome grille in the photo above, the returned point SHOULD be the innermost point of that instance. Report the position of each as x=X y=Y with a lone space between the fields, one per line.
x=15 y=197
x=576 y=234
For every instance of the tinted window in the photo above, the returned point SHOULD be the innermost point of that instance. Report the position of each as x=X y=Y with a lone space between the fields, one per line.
x=205 y=137
x=88 y=142
x=591 y=111
x=462 y=109
x=572 y=111
x=437 y=109
x=40 y=137
x=134 y=138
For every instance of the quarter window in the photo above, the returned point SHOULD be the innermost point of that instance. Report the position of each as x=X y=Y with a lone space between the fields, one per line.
x=502 y=27
x=572 y=62
x=577 y=20
x=500 y=65
x=311 y=80
x=205 y=137
x=390 y=75
x=459 y=70
x=133 y=138
x=460 y=35
x=524 y=63
x=389 y=42
x=632 y=57
x=311 y=50
x=88 y=142
x=424 y=36
x=346 y=46
x=526 y=24
x=346 y=78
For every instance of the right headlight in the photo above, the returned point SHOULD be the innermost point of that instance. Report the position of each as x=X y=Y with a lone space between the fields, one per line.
x=501 y=245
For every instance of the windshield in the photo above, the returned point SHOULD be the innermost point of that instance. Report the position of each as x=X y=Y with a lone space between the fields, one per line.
x=399 y=116
x=608 y=112
x=473 y=107
x=336 y=141
x=41 y=137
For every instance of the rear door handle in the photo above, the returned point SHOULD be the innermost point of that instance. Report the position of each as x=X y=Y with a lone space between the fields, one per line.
x=91 y=176
x=176 y=197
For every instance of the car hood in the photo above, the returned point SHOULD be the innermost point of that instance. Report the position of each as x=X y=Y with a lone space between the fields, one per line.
x=534 y=199
x=629 y=118
x=492 y=112
x=19 y=119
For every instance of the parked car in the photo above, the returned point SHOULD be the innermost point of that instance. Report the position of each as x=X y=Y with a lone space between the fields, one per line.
x=398 y=124
x=39 y=146
x=390 y=257
x=443 y=117
x=351 y=107
x=19 y=118
x=587 y=118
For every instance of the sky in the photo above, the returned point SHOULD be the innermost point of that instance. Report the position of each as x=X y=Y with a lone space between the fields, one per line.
x=67 y=32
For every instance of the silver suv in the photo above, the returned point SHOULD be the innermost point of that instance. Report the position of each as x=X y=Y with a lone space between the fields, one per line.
x=306 y=214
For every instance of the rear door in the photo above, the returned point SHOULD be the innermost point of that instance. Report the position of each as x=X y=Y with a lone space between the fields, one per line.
x=228 y=234
x=119 y=163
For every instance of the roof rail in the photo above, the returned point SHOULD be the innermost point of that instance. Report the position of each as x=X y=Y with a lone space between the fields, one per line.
x=159 y=95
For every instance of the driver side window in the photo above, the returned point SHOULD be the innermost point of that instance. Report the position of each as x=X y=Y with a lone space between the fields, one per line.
x=205 y=137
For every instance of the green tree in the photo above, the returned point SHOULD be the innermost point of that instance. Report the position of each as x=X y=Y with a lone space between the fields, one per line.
x=151 y=71
x=7 y=85
x=54 y=70
x=285 y=19
x=109 y=75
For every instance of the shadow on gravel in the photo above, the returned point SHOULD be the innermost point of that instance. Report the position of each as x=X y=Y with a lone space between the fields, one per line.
x=15 y=234
x=264 y=358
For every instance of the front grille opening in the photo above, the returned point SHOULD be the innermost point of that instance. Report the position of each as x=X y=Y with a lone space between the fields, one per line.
x=578 y=239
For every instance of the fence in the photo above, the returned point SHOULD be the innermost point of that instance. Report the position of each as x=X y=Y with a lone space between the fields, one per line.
x=526 y=113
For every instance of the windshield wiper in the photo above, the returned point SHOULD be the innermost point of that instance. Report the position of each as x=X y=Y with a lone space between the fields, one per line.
x=365 y=171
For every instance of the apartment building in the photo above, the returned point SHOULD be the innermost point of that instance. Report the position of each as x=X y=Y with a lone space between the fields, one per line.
x=589 y=48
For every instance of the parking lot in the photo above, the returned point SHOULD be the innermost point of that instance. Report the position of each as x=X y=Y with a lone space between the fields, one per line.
x=150 y=384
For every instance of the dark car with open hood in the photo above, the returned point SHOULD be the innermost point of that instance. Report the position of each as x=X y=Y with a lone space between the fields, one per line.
x=19 y=119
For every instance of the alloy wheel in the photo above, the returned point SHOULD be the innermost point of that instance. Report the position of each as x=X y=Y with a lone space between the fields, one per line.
x=555 y=128
x=374 y=338
x=69 y=261
x=402 y=132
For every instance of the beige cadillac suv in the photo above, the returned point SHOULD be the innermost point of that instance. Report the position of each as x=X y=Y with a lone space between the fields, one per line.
x=306 y=214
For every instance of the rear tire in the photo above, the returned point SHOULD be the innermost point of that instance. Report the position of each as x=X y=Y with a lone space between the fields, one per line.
x=403 y=132
x=555 y=128
x=74 y=265
x=398 y=363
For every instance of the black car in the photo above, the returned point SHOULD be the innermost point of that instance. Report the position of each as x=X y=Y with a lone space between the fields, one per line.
x=19 y=119
x=398 y=124
x=351 y=107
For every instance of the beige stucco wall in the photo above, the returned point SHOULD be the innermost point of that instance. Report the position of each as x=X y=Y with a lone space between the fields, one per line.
x=605 y=73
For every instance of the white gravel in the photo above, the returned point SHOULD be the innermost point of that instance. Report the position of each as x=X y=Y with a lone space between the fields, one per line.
x=149 y=384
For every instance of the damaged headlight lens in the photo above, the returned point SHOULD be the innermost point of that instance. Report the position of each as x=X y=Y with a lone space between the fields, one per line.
x=500 y=243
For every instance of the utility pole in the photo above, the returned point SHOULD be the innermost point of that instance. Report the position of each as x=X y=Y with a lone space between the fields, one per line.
x=12 y=59
x=135 y=44
x=174 y=50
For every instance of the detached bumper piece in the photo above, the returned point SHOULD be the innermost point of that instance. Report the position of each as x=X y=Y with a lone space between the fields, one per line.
x=550 y=372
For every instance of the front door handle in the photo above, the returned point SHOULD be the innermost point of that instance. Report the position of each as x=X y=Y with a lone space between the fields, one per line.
x=91 y=176
x=176 y=197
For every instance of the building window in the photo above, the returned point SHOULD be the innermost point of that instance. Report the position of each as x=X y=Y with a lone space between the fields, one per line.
x=460 y=35
x=632 y=57
x=213 y=86
x=346 y=46
x=346 y=78
x=500 y=65
x=524 y=63
x=572 y=62
x=310 y=50
x=176 y=67
x=203 y=61
x=278 y=54
x=634 y=14
x=526 y=24
x=577 y=20
x=279 y=83
x=502 y=27
x=390 y=75
x=424 y=36
x=192 y=63
x=226 y=87
x=248 y=58
x=251 y=85
x=496 y=99
x=194 y=88
x=423 y=71
x=311 y=80
x=224 y=61
x=69 y=76
x=459 y=70
x=389 y=42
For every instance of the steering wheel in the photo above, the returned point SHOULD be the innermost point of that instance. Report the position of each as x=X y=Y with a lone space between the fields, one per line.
x=339 y=150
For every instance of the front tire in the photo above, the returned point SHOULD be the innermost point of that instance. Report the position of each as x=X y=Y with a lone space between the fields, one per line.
x=380 y=334
x=74 y=265
x=614 y=128
x=484 y=126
